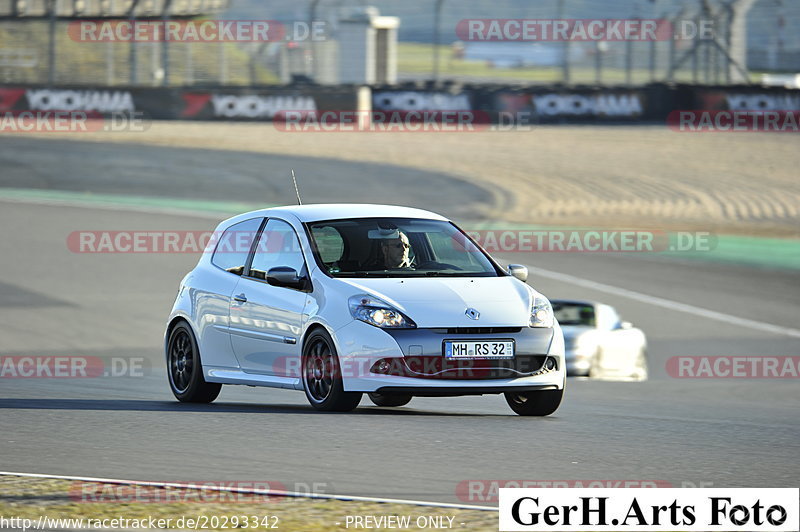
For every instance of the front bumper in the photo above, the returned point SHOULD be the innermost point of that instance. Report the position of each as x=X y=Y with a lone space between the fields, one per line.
x=419 y=354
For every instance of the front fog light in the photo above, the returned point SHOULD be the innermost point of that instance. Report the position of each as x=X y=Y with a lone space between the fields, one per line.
x=381 y=366
x=550 y=364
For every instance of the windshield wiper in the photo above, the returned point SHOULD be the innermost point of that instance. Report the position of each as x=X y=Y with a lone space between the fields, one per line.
x=436 y=273
x=359 y=274
x=410 y=273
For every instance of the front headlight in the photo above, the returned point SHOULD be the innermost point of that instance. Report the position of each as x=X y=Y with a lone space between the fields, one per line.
x=379 y=313
x=541 y=313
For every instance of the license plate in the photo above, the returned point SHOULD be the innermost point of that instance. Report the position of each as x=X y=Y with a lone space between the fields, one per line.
x=479 y=349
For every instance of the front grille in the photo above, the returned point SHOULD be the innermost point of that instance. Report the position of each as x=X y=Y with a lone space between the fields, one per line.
x=479 y=330
x=433 y=367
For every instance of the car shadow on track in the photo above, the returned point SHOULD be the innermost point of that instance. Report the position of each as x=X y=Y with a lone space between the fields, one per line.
x=174 y=406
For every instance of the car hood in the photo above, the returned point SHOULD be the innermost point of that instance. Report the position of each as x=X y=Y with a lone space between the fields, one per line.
x=443 y=301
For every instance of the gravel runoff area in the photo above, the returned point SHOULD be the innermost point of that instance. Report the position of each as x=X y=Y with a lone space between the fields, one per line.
x=27 y=498
x=645 y=177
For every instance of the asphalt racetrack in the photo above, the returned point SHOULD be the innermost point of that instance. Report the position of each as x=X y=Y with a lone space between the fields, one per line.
x=720 y=432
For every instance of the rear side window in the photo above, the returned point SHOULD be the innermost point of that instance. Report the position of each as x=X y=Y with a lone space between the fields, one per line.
x=234 y=246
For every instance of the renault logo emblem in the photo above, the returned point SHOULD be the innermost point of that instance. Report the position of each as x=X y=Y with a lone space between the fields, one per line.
x=472 y=313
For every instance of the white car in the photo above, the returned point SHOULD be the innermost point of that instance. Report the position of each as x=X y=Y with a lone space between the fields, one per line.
x=598 y=343
x=341 y=300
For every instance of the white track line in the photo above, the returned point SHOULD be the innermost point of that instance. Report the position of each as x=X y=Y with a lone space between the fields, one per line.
x=667 y=303
x=276 y=493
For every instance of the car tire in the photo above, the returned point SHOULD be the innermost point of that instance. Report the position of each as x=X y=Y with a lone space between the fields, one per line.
x=390 y=399
x=541 y=403
x=322 y=375
x=185 y=370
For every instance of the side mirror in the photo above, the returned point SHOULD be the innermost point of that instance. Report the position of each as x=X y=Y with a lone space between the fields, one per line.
x=626 y=325
x=519 y=271
x=286 y=277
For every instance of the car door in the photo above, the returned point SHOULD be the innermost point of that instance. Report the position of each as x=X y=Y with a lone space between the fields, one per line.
x=211 y=290
x=265 y=320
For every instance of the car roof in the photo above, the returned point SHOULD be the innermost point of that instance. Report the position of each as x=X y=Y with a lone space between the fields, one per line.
x=337 y=211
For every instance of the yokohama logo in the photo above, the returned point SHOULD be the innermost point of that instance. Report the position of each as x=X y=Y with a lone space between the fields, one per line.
x=251 y=106
x=763 y=102
x=69 y=100
x=624 y=105
x=420 y=101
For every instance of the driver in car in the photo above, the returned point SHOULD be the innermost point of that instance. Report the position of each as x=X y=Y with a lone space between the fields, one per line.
x=394 y=253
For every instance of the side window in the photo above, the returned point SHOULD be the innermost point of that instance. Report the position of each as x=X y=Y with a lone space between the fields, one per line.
x=278 y=246
x=234 y=246
x=329 y=243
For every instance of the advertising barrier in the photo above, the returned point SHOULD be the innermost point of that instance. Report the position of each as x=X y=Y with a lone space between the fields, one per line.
x=494 y=104
x=228 y=103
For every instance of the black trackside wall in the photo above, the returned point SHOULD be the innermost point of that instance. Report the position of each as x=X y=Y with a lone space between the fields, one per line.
x=498 y=104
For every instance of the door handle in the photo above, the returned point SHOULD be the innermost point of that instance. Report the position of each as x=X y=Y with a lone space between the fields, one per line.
x=240 y=298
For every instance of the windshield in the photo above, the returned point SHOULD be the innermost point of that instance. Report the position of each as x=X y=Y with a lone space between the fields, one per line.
x=397 y=247
x=573 y=313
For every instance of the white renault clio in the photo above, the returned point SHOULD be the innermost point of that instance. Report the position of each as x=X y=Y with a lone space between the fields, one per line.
x=340 y=300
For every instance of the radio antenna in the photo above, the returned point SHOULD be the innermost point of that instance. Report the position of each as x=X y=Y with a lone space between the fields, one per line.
x=296 y=190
